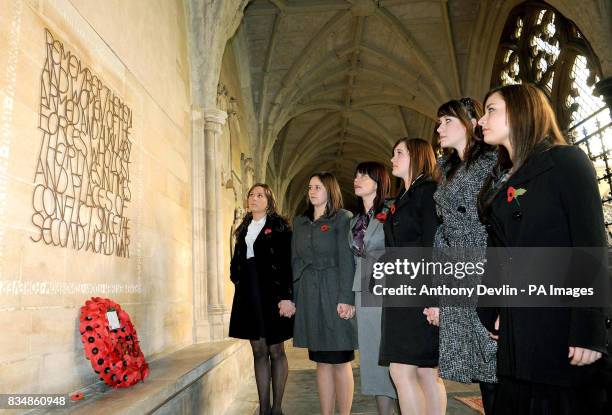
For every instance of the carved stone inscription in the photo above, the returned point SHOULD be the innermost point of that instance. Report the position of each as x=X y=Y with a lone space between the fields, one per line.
x=82 y=175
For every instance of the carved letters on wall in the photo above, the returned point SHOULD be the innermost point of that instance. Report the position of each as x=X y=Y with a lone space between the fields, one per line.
x=82 y=175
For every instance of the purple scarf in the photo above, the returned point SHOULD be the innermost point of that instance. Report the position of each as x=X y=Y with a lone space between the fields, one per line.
x=359 y=230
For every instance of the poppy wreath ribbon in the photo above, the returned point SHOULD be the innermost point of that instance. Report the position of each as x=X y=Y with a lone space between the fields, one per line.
x=115 y=355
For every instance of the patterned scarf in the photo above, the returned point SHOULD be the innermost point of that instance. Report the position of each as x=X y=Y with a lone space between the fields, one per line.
x=359 y=230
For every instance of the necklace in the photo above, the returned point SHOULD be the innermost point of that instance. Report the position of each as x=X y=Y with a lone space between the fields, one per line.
x=406 y=190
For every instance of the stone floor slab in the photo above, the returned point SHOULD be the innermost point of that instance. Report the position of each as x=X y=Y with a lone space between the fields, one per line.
x=301 y=396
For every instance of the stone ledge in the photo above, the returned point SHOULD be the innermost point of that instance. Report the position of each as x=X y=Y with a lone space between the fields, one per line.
x=203 y=378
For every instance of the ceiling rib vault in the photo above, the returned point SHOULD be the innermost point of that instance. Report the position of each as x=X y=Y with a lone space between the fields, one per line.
x=338 y=81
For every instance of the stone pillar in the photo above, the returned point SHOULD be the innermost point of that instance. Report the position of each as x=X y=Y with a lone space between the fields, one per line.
x=200 y=266
x=603 y=88
x=214 y=119
x=248 y=173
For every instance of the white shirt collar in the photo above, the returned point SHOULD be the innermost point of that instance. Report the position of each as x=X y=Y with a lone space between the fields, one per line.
x=260 y=221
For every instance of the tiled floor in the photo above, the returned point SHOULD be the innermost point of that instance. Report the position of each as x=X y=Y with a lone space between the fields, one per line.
x=301 y=392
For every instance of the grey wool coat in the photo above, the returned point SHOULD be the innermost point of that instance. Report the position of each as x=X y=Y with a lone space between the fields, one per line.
x=467 y=353
x=323 y=271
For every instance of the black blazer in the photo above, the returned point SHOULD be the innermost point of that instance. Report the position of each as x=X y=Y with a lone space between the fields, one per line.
x=272 y=250
x=561 y=208
x=414 y=222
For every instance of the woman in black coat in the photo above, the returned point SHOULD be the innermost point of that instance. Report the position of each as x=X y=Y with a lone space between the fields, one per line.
x=263 y=308
x=543 y=194
x=409 y=344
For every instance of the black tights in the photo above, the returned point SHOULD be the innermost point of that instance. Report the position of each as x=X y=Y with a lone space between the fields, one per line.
x=270 y=358
x=487 y=390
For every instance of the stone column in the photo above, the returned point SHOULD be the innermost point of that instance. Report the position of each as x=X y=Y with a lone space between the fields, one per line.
x=603 y=88
x=200 y=266
x=214 y=119
x=248 y=173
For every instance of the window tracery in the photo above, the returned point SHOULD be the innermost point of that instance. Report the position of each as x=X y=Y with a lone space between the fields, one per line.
x=541 y=46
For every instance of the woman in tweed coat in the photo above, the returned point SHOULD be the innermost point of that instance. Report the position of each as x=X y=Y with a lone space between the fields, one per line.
x=467 y=353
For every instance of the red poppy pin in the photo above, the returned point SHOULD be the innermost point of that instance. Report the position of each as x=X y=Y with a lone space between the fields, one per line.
x=513 y=194
x=388 y=208
x=76 y=396
x=267 y=231
x=382 y=217
x=324 y=228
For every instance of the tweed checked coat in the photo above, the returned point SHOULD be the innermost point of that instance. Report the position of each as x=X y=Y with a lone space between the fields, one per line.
x=467 y=353
x=323 y=271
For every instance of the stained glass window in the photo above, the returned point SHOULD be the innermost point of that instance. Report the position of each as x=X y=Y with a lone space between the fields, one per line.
x=541 y=46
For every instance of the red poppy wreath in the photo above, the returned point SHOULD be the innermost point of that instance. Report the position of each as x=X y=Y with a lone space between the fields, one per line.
x=114 y=353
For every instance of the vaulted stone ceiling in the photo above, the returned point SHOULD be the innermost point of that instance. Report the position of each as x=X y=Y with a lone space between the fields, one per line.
x=336 y=82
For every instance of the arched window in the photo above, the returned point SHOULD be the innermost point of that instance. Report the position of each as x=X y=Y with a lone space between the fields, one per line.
x=541 y=46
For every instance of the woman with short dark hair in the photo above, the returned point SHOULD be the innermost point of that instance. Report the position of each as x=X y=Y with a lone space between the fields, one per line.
x=367 y=239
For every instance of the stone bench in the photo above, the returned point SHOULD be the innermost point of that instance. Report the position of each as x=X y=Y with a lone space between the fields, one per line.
x=200 y=379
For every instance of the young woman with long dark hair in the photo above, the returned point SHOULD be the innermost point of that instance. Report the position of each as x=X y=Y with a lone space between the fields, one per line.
x=409 y=345
x=262 y=309
x=323 y=278
x=543 y=193
x=467 y=352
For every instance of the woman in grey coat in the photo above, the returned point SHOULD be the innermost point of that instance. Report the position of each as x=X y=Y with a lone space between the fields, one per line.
x=467 y=352
x=367 y=240
x=323 y=272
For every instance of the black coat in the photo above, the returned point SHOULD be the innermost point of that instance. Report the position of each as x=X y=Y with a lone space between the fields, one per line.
x=561 y=208
x=406 y=336
x=414 y=222
x=272 y=250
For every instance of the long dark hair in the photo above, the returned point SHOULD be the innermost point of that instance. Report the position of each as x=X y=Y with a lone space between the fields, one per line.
x=270 y=210
x=531 y=120
x=378 y=173
x=465 y=110
x=533 y=127
x=334 y=196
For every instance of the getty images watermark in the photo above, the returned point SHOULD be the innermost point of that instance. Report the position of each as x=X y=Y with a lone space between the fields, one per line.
x=492 y=277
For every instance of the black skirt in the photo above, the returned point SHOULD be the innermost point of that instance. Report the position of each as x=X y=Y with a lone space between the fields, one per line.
x=255 y=314
x=407 y=337
x=333 y=357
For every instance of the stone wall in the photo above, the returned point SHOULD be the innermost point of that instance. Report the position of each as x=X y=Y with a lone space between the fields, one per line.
x=94 y=198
